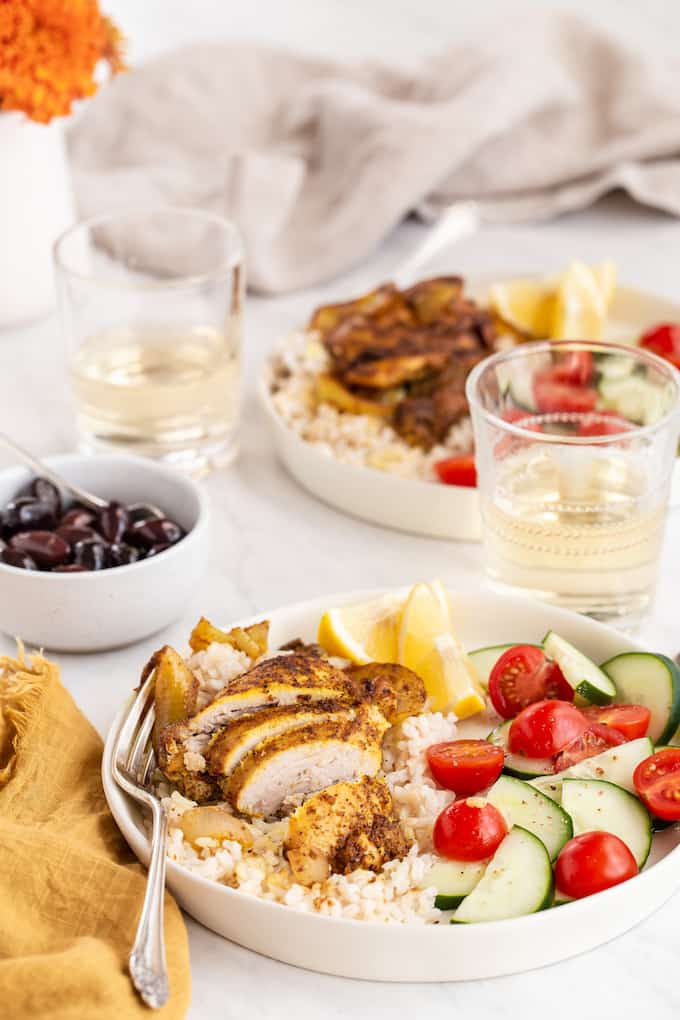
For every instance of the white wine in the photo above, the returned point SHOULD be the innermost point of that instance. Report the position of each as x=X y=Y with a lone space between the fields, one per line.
x=584 y=531
x=160 y=390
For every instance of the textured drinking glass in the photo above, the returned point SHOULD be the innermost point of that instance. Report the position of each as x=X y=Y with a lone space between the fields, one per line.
x=151 y=306
x=575 y=444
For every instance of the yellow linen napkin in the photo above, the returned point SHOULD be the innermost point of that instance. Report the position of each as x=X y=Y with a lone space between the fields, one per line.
x=70 y=889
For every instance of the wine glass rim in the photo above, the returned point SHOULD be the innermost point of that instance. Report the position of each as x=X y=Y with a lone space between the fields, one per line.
x=235 y=257
x=596 y=346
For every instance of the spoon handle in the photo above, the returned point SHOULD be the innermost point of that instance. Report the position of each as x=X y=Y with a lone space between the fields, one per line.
x=84 y=497
x=460 y=220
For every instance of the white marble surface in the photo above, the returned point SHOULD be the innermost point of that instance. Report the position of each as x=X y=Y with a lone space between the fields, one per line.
x=274 y=544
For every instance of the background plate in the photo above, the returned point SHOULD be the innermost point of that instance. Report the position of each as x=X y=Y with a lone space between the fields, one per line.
x=412 y=952
x=425 y=508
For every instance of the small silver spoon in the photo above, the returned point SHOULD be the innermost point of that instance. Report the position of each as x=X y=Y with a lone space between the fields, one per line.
x=88 y=499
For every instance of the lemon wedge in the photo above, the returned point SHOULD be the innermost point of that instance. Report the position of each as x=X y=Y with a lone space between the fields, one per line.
x=364 y=632
x=428 y=646
x=580 y=308
x=605 y=277
x=527 y=306
x=450 y=679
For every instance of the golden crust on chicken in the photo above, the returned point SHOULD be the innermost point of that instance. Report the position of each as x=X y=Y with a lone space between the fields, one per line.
x=346 y=826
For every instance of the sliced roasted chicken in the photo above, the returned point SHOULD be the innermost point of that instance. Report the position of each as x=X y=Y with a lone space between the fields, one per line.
x=346 y=826
x=397 y=691
x=281 y=771
x=231 y=744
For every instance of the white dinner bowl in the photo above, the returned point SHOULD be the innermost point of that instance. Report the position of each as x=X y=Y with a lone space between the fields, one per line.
x=414 y=952
x=87 y=612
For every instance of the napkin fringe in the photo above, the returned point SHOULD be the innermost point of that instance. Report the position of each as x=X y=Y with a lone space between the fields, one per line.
x=21 y=689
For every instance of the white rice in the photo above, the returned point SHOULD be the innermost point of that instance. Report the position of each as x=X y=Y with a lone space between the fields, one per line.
x=359 y=439
x=399 y=893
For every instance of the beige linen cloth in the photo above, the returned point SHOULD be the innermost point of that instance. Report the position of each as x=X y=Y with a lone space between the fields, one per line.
x=70 y=889
x=317 y=162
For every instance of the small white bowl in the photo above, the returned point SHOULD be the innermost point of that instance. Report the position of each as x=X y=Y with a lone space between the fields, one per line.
x=91 y=611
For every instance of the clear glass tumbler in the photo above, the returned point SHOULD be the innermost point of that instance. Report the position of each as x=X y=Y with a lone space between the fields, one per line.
x=575 y=444
x=151 y=304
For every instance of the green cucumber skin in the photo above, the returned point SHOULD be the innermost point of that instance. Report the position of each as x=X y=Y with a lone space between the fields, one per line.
x=669 y=731
x=584 y=688
x=513 y=766
x=636 y=805
x=443 y=902
x=591 y=694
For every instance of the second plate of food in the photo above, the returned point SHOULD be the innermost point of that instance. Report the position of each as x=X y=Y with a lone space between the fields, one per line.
x=311 y=801
x=366 y=401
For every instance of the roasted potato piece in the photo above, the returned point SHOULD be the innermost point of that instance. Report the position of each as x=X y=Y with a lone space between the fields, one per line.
x=175 y=690
x=252 y=640
x=330 y=391
x=430 y=298
x=397 y=691
x=213 y=822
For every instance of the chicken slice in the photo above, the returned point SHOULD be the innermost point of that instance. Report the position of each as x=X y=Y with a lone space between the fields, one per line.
x=396 y=690
x=342 y=828
x=230 y=745
x=283 y=770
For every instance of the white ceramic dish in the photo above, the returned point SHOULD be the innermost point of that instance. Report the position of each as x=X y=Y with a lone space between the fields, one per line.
x=104 y=609
x=425 y=508
x=395 y=952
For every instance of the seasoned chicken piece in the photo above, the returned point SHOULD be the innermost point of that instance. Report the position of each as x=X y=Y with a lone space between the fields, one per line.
x=347 y=826
x=228 y=746
x=287 y=680
x=430 y=298
x=330 y=391
x=397 y=691
x=283 y=770
x=385 y=305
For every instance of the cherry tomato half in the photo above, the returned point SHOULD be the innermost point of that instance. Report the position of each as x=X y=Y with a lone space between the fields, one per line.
x=469 y=830
x=632 y=721
x=457 y=471
x=594 y=740
x=553 y=395
x=465 y=766
x=523 y=675
x=545 y=728
x=575 y=367
x=592 y=862
x=663 y=340
x=657 y=781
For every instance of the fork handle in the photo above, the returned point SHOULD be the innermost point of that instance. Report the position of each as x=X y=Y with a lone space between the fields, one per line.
x=147 y=960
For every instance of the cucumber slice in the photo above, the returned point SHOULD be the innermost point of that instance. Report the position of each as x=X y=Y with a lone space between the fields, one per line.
x=650 y=680
x=518 y=881
x=517 y=764
x=583 y=676
x=526 y=806
x=614 y=366
x=635 y=398
x=521 y=390
x=453 y=881
x=615 y=765
x=595 y=805
x=484 y=659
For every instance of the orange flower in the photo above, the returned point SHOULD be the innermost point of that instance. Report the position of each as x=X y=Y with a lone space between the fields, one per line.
x=49 y=52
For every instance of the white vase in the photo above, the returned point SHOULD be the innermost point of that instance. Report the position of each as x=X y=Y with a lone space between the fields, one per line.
x=36 y=204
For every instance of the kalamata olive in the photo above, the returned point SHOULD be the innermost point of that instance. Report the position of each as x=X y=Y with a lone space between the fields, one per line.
x=45 y=547
x=156 y=549
x=113 y=521
x=71 y=534
x=78 y=517
x=93 y=554
x=70 y=568
x=14 y=558
x=154 y=531
x=45 y=492
x=142 y=512
x=27 y=514
x=122 y=554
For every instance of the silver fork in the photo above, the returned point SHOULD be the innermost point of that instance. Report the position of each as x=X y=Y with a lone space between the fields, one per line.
x=133 y=762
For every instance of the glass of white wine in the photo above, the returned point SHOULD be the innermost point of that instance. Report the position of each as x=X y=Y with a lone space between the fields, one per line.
x=151 y=304
x=575 y=444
